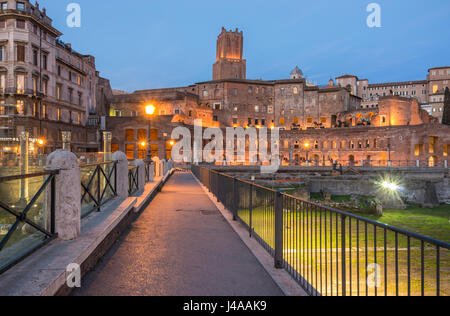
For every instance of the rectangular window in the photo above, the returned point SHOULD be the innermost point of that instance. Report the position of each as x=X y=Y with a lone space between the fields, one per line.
x=235 y=121
x=20 y=6
x=215 y=118
x=270 y=110
x=44 y=61
x=20 y=24
x=35 y=84
x=446 y=150
x=59 y=92
x=20 y=83
x=44 y=111
x=129 y=135
x=129 y=150
x=20 y=107
x=235 y=92
x=2 y=53
x=59 y=70
x=59 y=114
x=35 y=57
x=20 y=53
x=2 y=82
x=44 y=87
x=432 y=145
x=4 y=6
x=418 y=149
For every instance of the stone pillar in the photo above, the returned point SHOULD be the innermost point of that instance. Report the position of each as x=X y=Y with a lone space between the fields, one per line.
x=362 y=162
x=291 y=155
x=151 y=172
x=445 y=163
x=122 y=174
x=66 y=139
x=418 y=163
x=24 y=162
x=141 y=172
x=107 y=138
x=67 y=195
x=163 y=168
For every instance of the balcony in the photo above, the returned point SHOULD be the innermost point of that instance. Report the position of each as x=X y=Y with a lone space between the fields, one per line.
x=20 y=91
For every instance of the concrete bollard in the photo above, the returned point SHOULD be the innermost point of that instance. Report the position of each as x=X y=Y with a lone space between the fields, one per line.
x=122 y=174
x=68 y=193
x=141 y=172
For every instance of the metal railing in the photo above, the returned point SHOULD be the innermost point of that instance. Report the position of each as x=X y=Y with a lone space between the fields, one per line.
x=330 y=252
x=27 y=220
x=148 y=167
x=133 y=179
x=97 y=186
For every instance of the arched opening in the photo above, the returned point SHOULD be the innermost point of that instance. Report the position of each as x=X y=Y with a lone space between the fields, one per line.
x=351 y=160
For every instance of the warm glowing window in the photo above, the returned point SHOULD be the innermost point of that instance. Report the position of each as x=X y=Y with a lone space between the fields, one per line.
x=282 y=121
x=295 y=90
x=446 y=149
x=309 y=120
x=432 y=145
x=418 y=149
x=295 y=120
x=129 y=150
x=20 y=83
x=59 y=114
x=20 y=105
x=129 y=135
x=154 y=135
x=323 y=120
x=142 y=134
x=114 y=148
x=435 y=88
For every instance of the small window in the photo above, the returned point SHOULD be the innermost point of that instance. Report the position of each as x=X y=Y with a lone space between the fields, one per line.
x=215 y=118
x=2 y=24
x=20 y=24
x=20 y=53
x=20 y=6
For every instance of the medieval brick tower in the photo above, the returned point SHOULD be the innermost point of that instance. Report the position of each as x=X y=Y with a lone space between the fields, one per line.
x=229 y=61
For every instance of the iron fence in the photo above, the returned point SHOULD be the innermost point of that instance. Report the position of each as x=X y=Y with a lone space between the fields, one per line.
x=149 y=165
x=133 y=179
x=27 y=219
x=331 y=252
x=98 y=186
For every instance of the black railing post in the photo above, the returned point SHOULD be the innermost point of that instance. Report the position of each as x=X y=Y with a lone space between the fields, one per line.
x=250 y=208
x=235 y=199
x=344 y=265
x=53 y=204
x=115 y=177
x=278 y=230
x=98 y=189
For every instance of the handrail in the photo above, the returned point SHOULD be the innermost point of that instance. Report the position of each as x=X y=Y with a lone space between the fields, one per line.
x=28 y=176
x=97 y=164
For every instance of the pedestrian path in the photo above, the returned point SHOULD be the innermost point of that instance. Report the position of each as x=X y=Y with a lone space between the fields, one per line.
x=179 y=246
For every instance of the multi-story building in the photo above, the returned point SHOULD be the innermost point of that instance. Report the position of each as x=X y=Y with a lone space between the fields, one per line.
x=46 y=87
x=429 y=92
x=350 y=121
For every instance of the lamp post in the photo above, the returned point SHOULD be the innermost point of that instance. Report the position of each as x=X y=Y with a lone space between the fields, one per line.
x=306 y=145
x=149 y=111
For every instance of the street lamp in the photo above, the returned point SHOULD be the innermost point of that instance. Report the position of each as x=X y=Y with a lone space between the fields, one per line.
x=149 y=111
x=306 y=145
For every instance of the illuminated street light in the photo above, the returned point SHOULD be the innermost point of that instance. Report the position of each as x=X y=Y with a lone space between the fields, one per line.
x=143 y=144
x=41 y=142
x=150 y=109
x=172 y=143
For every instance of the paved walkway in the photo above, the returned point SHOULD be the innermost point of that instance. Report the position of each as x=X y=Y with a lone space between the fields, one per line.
x=180 y=246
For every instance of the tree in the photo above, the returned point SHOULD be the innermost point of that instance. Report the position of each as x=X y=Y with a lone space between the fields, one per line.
x=446 y=115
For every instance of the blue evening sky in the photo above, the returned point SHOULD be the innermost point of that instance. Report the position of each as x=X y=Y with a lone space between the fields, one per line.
x=146 y=44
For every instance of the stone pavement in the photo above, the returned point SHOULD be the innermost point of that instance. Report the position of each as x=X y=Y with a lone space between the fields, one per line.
x=180 y=245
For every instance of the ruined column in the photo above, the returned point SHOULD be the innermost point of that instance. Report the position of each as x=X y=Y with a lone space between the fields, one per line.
x=107 y=138
x=67 y=194
x=66 y=139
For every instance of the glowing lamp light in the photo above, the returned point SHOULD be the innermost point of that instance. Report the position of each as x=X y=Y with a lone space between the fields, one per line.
x=390 y=186
x=40 y=142
x=306 y=145
x=150 y=109
x=143 y=144
x=172 y=143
